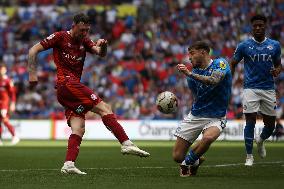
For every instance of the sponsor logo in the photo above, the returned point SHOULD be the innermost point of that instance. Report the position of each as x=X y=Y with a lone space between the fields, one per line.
x=80 y=109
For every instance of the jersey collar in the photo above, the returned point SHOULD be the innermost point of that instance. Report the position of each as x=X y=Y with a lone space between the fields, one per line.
x=257 y=41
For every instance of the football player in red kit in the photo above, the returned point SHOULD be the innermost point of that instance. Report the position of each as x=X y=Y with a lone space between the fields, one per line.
x=7 y=103
x=69 y=51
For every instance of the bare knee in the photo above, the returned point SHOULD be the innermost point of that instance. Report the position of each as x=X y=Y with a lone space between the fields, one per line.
x=102 y=109
x=208 y=139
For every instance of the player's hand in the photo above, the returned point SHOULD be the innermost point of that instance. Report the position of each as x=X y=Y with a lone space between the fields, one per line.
x=12 y=107
x=183 y=69
x=102 y=42
x=33 y=80
x=275 y=71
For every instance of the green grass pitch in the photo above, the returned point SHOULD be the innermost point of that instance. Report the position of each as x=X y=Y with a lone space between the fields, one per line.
x=36 y=164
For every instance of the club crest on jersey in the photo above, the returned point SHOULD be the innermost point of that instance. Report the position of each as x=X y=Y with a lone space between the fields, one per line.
x=270 y=47
x=222 y=65
x=93 y=97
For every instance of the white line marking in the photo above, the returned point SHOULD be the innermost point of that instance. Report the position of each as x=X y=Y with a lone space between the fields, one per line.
x=124 y=168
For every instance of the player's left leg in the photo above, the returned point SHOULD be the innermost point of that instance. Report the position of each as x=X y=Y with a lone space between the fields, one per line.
x=194 y=158
x=111 y=123
x=269 y=126
x=267 y=108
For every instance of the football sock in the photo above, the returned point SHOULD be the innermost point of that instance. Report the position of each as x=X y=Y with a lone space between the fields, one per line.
x=249 y=135
x=266 y=132
x=9 y=127
x=191 y=158
x=73 y=147
x=127 y=143
x=111 y=123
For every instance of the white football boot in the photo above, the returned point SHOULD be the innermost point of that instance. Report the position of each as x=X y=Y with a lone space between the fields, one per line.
x=69 y=168
x=1 y=143
x=260 y=147
x=133 y=150
x=249 y=161
x=15 y=140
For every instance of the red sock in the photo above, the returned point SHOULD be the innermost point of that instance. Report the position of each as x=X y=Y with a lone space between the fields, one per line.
x=73 y=147
x=9 y=127
x=111 y=123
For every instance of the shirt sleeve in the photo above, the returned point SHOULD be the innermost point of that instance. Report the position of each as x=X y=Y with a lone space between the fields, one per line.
x=222 y=67
x=51 y=41
x=88 y=44
x=238 y=54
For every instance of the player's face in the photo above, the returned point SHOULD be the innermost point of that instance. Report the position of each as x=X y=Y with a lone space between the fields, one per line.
x=3 y=70
x=196 y=57
x=81 y=30
x=258 y=28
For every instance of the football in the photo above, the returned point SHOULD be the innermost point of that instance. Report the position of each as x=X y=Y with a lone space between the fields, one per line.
x=167 y=102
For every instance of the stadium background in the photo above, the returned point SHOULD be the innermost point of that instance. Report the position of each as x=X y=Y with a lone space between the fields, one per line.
x=146 y=40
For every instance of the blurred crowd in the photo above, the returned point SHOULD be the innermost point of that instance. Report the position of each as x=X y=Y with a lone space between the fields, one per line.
x=143 y=49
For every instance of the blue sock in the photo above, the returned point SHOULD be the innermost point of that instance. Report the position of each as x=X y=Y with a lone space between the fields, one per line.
x=266 y=132
x=249 y=135
x=191 y=158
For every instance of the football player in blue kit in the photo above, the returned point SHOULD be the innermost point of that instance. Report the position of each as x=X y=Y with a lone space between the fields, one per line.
x=262 y=62
x=210 y=82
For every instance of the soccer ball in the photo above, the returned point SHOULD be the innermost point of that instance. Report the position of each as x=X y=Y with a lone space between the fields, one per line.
x=167 y=102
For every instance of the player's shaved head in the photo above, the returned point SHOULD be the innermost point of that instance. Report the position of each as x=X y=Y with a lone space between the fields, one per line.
x=200 y=45
x=81 y=18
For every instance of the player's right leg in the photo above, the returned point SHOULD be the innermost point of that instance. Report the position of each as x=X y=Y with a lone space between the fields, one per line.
x=110 y=121
x=251 y=105
x=179 y=152
x=249 y=137
x=77 y=125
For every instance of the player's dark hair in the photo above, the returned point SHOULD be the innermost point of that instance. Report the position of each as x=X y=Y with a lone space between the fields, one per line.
x=200 y=45
x=81 y=17
x=258 y=17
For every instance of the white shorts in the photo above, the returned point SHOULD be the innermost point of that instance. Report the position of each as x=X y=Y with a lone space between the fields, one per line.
x=191 y=126
x=258 y=100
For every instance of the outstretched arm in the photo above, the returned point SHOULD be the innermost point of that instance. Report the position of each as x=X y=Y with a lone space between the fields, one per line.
x=100 y=48
x=213 y=79
x=32 y=63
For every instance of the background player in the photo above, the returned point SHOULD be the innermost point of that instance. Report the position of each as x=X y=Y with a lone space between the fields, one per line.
x=69 y=51
x=262 y=62
x=7 y=103
x=210 y=82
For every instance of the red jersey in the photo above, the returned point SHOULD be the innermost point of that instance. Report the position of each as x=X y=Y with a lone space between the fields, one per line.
x=7 y=90
x=69 y=55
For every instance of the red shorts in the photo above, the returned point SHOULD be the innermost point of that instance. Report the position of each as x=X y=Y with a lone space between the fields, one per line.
x=4 y=107
x=76 y=98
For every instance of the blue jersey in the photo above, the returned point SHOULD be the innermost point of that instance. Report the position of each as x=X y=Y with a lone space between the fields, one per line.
x=211 y=101
x=258 y=61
